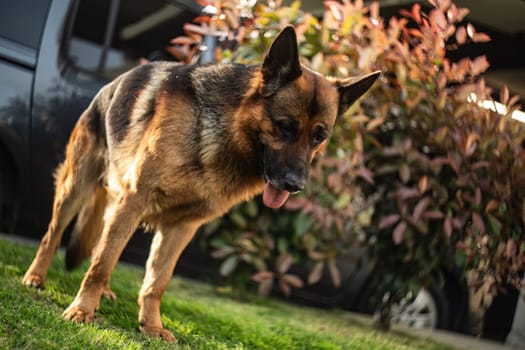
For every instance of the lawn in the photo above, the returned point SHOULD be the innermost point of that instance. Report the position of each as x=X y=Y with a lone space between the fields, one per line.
x=201 y=316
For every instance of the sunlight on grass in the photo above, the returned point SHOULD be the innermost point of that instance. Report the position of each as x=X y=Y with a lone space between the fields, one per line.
x=200 y=315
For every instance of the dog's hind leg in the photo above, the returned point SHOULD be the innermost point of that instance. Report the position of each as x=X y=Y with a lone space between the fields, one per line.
x=121 y=221
x=167 y=245
x=87 y=231
x=75 y=181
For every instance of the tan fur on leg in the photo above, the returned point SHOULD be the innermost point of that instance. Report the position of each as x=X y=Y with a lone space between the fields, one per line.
x=120 y=225
x=165 y=250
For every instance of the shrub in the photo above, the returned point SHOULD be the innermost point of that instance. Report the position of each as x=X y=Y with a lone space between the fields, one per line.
x=419 y=172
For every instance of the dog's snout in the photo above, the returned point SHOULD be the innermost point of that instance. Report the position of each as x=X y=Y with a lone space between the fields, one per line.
x=293 y=182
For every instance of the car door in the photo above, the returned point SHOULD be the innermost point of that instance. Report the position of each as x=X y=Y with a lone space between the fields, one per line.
x=20 y=33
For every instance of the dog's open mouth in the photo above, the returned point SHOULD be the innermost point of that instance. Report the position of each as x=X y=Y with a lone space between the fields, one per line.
x=274 y=197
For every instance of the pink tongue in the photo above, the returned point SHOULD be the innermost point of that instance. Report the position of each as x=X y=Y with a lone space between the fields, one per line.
x=274 y=197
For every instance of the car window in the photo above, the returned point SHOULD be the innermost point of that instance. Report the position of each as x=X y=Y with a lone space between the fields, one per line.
x=22 y=21
x=129 y=29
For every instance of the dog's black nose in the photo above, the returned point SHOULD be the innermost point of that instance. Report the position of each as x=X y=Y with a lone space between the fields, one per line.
x=293 y=182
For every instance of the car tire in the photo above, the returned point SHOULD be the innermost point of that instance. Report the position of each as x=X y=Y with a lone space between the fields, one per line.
x=429 y=309
x=8 y=195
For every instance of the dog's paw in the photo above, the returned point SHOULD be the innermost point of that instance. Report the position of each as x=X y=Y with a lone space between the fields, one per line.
x=33 y=280
x=158 y=332
x=76 y=314
x=109 y=294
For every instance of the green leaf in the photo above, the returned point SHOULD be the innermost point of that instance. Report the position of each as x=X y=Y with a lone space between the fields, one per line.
x=218 y=242
x=343 y=201
x=238 y=220
x=460 y=258
x=229 y=265
x=251 y=209
x=495 y=225
x=302 y=224
x=282 y=245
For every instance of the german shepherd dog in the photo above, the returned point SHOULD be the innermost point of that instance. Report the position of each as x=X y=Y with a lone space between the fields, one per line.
x=174 y=146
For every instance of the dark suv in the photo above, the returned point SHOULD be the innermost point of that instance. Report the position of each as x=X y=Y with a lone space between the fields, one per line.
x=54 y=56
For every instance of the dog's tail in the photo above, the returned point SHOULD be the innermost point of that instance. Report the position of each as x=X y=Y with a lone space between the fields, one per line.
x=84 y=169
x=87 y=230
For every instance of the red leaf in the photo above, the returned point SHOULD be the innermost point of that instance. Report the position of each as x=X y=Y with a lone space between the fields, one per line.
x=438 y=19
x=334 y=180
x=265 y=287
x=293 y=280
x=462 y=13
x=392 y=151
x=477 y=197
x=262 y=276
x=420 y=207
x=399 y=232
x=433 y=214
x=470 y=144
x=480 y=38
x=416 y=12
x=202 y=19
x=316 y=273
x=457 y=223
x=478 y=222
x=284 y=262
x=444 y=4
x=461 y=35
x=504 y=94
x=510 y=248
x=513 y=100
x=491 y=205
x=334 y=273
x=404 y=173
x=374 y=9
x=315 y=255
x=193 y=28
x=423 y=184
x=366 y=174
x=389 y=220
x=479 y=65
x=416 y=33
x=285 y=287
x=407 y=192
x=447 y=226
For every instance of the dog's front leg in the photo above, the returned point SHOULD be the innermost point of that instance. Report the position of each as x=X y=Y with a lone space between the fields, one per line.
x=167 y=245
x=120 y=225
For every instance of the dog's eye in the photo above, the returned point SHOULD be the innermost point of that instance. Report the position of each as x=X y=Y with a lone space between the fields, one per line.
x=287 y=128
x=320 y=134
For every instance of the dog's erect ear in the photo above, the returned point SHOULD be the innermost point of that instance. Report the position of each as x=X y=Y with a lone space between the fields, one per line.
x=351 y=89
x=281 y=64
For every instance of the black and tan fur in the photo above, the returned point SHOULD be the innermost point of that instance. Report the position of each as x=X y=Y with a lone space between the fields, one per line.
x=174 y=146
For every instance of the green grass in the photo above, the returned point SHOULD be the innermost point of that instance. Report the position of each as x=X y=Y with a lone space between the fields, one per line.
x=201 y=316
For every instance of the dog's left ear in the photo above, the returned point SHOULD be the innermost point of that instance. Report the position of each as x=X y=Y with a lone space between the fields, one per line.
x=281 y=64
x=351 y=89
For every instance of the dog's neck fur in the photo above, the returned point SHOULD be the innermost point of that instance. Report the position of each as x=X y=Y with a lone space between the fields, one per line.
x=224 y=94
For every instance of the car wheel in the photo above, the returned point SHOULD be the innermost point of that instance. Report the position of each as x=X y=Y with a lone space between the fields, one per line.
x=8 y=195
x=428 y=309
